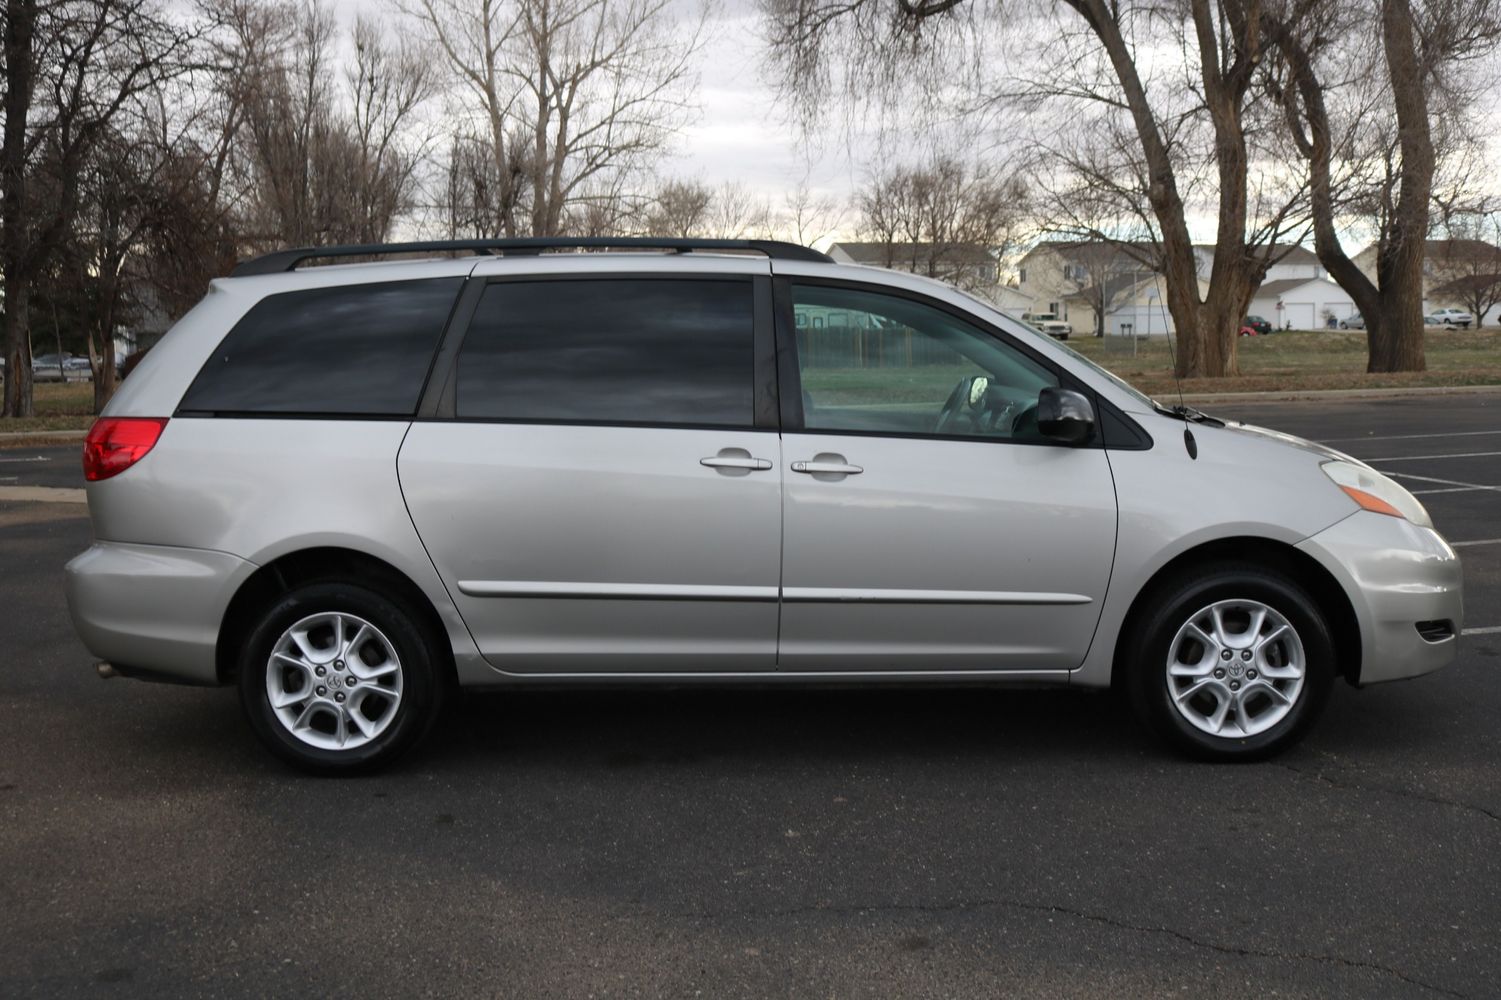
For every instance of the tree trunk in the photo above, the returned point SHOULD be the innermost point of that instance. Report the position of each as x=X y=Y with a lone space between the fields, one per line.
x=20 y=24
x=1398 y=347
x=1201 y=351
x=102 y=360
x=18 y=388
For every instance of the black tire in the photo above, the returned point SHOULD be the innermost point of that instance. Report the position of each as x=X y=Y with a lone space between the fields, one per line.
x=1173 y=606
x=419 y=657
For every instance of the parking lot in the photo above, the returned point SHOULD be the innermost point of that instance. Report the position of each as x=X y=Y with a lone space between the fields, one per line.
x=752 y=843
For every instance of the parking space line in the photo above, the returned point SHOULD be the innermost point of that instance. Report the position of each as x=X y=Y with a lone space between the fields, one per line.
x=1408 y=437
x=1429 y=458
x=1487 y=630
x=34 y=458
x=1478 y=541
x=1447 y=489
x=1445 y=482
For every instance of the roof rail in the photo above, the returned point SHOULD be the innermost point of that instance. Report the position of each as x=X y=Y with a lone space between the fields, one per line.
x=280 y=261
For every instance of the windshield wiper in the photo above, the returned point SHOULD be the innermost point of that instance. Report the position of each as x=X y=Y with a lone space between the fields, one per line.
x=1189 y=414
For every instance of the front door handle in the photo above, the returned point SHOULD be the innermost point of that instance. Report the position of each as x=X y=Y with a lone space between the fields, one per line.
x=735 y=462
x=833 y=465
x=759 y=464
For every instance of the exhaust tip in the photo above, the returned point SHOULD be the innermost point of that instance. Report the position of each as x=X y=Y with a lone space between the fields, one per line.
x=105 y=670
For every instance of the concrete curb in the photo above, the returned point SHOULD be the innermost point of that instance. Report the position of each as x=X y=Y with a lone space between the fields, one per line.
x=41 y=494
x=1295 y=395
x=65 y=435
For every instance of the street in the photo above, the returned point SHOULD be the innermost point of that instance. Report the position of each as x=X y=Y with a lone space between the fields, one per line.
x=964 y=843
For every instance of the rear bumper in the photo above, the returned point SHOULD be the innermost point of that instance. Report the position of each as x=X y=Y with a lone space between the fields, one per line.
x=1396 y=575
x=153 y=610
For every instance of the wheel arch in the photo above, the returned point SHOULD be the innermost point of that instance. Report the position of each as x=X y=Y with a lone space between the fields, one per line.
x=1271 y=554
x=310 y=565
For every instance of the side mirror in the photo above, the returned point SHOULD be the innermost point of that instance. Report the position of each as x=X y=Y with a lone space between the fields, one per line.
x=1065 y=415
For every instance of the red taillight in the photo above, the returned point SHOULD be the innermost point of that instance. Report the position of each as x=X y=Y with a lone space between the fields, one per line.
x=115 y=444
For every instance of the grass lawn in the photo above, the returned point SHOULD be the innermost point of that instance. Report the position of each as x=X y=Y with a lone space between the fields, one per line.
x=1294 y=361
x=59 y=407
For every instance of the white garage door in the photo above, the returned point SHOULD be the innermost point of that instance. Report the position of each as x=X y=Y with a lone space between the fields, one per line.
x=1299 y=314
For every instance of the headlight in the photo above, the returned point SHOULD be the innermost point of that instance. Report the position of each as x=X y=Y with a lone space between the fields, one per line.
x=1375 y=492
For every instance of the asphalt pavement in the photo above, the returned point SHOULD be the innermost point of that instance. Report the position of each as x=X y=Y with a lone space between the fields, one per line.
x=761 y=843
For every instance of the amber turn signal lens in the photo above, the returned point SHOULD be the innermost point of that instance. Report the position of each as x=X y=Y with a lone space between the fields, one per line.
x=1371 y=503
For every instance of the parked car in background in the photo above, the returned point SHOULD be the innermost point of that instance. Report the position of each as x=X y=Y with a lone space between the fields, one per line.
x=71 y=368
x=1249 y=331
x=1453 y=318
x=1258 y=324
x=1354 y=321
x=347 y=490
x=1048 y=323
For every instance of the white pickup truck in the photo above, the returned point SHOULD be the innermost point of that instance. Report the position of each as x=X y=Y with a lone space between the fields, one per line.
x=1048 y=323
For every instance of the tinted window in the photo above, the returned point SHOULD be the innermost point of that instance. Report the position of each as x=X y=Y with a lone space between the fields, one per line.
x=610 y=351
x=874 y=362
x=356 y=349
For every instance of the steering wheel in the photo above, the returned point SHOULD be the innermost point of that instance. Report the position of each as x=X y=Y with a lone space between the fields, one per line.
x=1025 y=424
x=954 y=406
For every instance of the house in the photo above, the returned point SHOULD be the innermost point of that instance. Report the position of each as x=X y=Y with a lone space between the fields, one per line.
x=1449 y=267
x=1287 y=261
x=968 y=265
x=1108 y=286
x=1069 y=278
x=1009 y=299
x=1302 y=303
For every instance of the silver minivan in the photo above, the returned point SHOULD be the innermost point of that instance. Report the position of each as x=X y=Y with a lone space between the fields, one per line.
x=351 y=488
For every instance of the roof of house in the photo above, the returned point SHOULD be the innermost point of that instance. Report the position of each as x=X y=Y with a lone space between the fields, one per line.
x=1468 y=284
x=1140 y=252
x=1109 y=290
x=1275 y=289
x=948 y=253
x=1464 y=249
x=1278 y=253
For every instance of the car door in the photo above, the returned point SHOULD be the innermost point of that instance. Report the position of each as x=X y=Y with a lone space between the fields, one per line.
x=600 y=485
x=927 y=523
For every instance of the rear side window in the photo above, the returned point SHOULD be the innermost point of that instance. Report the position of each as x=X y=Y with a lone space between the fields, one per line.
x=610 y=351
x=355 y=350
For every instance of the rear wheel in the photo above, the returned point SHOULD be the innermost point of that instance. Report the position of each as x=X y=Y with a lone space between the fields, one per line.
x=339 y=678
x=1233 y=664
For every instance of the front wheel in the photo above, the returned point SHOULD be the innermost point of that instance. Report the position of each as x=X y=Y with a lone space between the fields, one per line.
x=1233 y=664
x=338 y=678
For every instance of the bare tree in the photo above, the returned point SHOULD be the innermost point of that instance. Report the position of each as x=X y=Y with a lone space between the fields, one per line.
x=1217 y=47
x=808 y=218
x=735 y=213
x=1389 y=124
x=1466 y=267
x=945 y=218
x=680 y=208
x=388 y=82
x=72 y=67
x=571 y=92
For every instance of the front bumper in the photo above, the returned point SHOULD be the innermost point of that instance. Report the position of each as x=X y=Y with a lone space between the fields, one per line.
x=154 y=610
x=1396 y=575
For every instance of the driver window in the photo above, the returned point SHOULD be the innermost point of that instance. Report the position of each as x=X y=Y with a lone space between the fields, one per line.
x=874 y=362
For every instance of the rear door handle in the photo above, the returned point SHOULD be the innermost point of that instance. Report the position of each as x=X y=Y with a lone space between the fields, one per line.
x=817 y=466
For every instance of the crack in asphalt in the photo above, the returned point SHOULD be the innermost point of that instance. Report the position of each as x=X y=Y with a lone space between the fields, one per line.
x=1403 y=793
x=980 y=904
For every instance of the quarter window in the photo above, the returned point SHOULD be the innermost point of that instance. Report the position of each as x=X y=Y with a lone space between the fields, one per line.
x=359 y=350
x=881 y=363
x=676 y=352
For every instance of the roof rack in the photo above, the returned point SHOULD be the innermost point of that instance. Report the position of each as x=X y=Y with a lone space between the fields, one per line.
x=281 y=261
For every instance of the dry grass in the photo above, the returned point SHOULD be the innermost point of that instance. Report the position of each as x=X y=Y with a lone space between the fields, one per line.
x=1303 y=361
